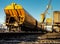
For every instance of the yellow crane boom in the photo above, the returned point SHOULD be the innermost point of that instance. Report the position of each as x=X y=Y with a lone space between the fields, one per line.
x=44 y=14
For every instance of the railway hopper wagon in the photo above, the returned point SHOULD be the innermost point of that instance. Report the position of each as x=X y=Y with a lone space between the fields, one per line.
x=18 y=19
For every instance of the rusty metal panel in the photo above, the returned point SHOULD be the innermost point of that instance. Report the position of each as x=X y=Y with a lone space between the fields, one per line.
x=30 y=19
x=7 y=12
x=14 y=12
x=22 y=12
x=10 y=11
x=18 y=10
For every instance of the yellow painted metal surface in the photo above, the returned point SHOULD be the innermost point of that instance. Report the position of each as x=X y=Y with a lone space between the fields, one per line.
x=13 y=6
x=15 y=11
x=49 y=21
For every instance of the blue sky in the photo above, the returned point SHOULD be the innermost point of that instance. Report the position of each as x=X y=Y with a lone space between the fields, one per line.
x=34 y=7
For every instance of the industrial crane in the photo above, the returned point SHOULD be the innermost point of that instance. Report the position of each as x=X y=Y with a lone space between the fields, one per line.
x=44 y=14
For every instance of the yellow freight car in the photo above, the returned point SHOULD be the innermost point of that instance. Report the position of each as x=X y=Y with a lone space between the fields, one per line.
x=18 y=18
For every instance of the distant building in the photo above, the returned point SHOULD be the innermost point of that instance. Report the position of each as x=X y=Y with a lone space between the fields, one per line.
x=56 y=16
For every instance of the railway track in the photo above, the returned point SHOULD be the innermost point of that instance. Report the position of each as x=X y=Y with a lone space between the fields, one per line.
x=32 y=39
